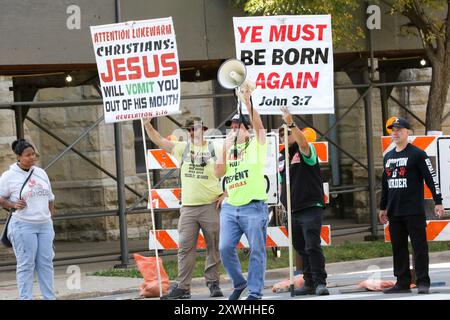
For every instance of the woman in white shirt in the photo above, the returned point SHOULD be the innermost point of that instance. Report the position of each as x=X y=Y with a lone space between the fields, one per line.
x=31 y=227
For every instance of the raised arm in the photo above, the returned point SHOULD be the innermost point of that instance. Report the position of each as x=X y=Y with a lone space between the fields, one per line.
x=296 y=133
x=244 y=94
x=156 y=137
x=221 y=163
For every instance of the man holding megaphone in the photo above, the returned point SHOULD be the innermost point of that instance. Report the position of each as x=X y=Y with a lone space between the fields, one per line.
x=242 y=163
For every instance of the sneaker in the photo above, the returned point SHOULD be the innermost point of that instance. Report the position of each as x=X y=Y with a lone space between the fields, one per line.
x=321 y=290
x=215 y=291
x=251 y=297
x=397 y=289
x=304 y=290
x=423 y=289
x=235 y=295
x=177 y=293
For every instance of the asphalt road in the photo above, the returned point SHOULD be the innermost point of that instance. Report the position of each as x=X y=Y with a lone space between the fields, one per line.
x=342 y=286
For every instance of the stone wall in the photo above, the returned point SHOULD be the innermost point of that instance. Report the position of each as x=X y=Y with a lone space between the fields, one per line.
x=7 y=135
x=81 y=188
x=7 y=127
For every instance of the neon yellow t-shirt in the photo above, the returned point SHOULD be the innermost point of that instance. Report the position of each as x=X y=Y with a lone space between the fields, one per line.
x=198 y=182
x=244 y=176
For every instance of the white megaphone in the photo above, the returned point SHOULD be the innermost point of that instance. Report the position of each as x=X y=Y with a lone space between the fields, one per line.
x=232 y=74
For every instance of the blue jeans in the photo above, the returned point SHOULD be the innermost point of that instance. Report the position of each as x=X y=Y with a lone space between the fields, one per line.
x=33 y=247
x=252 y=220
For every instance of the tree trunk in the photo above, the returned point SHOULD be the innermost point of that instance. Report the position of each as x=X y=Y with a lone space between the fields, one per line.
x=438 y=95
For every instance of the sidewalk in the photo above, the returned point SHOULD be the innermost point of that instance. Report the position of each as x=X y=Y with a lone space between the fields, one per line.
x=93 y=286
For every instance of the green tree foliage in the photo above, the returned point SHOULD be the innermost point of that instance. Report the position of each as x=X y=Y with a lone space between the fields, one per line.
x=345 y=30
x=428 y=19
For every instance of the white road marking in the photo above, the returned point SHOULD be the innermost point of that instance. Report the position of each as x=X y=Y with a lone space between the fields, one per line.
x=431 y=296
x=432 y=266
x=348 y=296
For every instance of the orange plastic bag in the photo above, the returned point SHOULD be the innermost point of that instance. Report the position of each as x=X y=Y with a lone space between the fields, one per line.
x=147 y=267
x=375 y=285
x=378 y=285
x=283 y=286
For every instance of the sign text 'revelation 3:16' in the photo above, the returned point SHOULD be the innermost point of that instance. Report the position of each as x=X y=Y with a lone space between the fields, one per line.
x=138 y=67
x=290 y=61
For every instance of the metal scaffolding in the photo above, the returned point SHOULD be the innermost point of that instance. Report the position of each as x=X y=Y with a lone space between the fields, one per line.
x=363 y=82
x=123 y=211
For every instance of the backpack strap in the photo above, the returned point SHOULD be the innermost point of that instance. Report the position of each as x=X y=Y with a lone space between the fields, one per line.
x=185 y=153
x=211 y=150
x=183 y=156
x=24 y=184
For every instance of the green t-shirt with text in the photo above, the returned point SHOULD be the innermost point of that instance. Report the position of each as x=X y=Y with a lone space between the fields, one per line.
x=199 y=183
x=244 y=177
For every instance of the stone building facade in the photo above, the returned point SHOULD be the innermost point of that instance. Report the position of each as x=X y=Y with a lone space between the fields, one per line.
x=81 y=188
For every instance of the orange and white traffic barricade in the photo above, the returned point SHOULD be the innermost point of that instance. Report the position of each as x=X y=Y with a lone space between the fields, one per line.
x=171 y=198
x=437 y=230
x=161 y=159
x=326 y=192
x=425 y=143
x=166 y=198
x=321 y=150
x=276 y=237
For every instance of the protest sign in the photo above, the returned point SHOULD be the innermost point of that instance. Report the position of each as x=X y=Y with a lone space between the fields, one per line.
x=138 y=67
x=290 y=61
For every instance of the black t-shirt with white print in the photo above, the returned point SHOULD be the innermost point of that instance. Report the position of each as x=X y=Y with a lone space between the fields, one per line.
x=402 y=182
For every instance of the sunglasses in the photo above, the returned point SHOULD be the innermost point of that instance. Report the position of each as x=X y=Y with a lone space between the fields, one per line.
x=194 y=128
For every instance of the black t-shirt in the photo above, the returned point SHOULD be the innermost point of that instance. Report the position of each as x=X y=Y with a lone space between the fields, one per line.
x=305 y=180
x=402 y=182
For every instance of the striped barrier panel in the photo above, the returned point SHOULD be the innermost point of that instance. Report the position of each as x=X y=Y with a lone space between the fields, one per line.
x=326 y=192
x=161 y=159
x=276 y=237
x=321 y=150
x=437 y=230
x=425 y=143
x=166 y=198
x=171 y=198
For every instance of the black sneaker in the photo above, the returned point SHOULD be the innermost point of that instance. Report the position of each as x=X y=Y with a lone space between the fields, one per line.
x=235 y=295
x=215 y=291
x=304 y=290
x=397 y=289
x=177 y=293
x=321 y=290
x=422 y=289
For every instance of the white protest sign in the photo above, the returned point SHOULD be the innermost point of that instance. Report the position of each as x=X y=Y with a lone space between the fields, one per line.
x=290 y=60
x=443 y=166
x=138 y=67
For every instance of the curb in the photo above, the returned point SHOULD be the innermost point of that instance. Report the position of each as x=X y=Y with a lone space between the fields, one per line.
x=96 y=294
